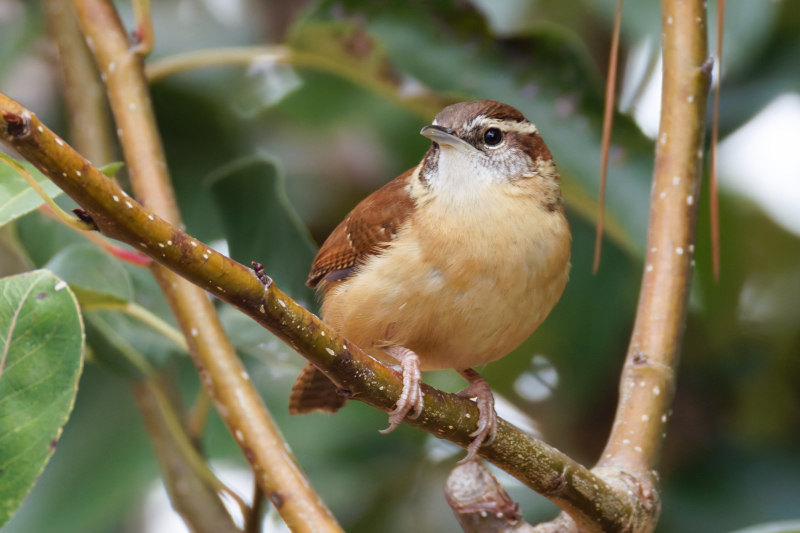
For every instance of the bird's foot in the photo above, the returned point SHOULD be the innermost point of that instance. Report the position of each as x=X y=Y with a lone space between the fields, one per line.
x=487 y=420
x=411 y=397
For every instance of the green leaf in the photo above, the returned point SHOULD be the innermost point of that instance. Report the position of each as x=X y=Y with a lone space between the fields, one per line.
x=112 y=168
x=97 y=278
x=261 y=225
x=41 y=357
x=102 y=281
x=17 y=197
x=791 y=526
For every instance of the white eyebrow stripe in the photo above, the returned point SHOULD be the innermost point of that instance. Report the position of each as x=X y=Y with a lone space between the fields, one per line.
x=519 y=127
x=505 y=125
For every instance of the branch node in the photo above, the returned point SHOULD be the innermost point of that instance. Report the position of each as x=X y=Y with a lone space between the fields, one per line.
x=84 y=216
x=555 y=486
x=18 y=126
x=639 y=358
x=708 y=66
x=643 y=486
x=265 y=280
x=276 y=499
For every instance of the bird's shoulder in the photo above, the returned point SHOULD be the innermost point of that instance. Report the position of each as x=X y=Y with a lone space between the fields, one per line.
x=367 y=229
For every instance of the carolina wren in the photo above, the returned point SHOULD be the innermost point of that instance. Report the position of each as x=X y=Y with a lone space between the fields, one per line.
x=452 y=264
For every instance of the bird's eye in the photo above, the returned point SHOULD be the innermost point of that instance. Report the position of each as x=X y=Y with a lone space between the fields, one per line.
x=493 y=136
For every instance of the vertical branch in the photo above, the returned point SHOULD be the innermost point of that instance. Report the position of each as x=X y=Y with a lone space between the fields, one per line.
x=648 y=379
x=237 y=401
x=89 y=123
x=192 y=498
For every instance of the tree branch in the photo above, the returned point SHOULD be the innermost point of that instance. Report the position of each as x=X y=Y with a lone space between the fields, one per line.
x=237 y=401
x=596 y=504
x=89 y=124
x=648 y=379
x=196 y=501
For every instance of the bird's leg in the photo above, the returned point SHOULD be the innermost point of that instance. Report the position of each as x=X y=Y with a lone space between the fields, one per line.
x=411 y=397
x=487 y=421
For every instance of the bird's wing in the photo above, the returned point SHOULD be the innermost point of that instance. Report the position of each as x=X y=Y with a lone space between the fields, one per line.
x=368 y=228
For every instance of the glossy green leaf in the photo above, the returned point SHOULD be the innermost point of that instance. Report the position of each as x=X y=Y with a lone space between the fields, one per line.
x=41 y=357
x=17 y=197
x=102 y=281
x=261 y=225
x=96 y=277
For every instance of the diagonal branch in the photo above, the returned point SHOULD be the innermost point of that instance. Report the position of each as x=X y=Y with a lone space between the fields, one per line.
x=239 y=404
x=595 y=503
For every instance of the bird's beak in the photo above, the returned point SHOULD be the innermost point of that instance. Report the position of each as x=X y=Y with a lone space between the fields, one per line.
x=447 y=137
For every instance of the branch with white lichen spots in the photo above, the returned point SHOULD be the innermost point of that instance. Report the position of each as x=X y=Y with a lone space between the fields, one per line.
x=597 y=504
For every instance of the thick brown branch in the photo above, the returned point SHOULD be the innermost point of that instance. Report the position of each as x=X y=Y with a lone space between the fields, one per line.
x=237 y=401
x=594 y=503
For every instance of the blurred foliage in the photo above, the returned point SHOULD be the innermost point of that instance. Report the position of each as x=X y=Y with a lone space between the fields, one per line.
x=235 y=138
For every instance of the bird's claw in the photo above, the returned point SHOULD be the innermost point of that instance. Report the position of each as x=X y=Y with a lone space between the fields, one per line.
x=411 y=396
x=487 y=419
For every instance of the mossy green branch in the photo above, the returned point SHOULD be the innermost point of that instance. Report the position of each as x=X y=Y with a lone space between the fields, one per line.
x=595 y=504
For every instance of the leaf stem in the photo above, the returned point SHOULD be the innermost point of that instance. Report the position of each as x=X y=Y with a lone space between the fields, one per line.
x=59 y=213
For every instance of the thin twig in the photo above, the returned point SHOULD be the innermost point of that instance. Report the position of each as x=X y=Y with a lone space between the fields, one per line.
x=196 y=500
x=608 y=123
x=55 y=209
x=426 y=107
x=597 y=504
x=238 y=402
x=141 y=314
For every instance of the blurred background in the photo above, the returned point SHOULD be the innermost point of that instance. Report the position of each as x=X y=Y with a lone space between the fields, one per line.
x=314 y=141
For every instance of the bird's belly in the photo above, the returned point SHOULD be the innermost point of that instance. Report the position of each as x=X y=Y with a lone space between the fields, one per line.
x=452 y=313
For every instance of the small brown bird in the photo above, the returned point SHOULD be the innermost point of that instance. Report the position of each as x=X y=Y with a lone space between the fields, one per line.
x=452 y=264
